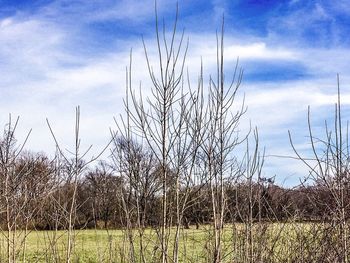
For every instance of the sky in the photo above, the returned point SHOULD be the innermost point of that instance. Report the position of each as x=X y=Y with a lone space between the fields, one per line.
x=55 y=55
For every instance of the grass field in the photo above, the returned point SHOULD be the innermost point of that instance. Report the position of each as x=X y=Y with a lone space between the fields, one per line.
x=274 y=242
x=100 y=245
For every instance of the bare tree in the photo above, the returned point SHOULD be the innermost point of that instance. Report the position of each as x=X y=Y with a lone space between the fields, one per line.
x=329 y=170
x=14 y=197
x=141 y=185
x=73 y=169
x=221 y=139
x=161 y=121
x=101 y=186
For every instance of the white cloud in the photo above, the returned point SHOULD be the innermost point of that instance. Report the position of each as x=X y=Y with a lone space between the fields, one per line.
x=205 y=46
x=42 y=76
x=259 y=51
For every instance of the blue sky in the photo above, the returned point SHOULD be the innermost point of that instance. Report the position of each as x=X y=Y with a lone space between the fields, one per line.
x=55 y=55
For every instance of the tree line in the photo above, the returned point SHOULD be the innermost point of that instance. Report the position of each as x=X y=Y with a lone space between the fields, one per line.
x=38 y=196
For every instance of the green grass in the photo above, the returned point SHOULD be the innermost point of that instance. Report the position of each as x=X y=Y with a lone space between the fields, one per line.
x=273 y=242
x=97 y=245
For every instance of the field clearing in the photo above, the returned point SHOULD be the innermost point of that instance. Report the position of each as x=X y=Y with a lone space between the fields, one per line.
x=279 y=242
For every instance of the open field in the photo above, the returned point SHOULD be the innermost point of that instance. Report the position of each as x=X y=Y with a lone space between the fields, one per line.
x=272 y=242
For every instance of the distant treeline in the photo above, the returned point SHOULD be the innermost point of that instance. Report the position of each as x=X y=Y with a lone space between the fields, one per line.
x=40 y=195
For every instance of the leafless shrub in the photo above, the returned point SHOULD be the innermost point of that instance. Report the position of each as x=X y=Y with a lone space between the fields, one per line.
x=328 y=170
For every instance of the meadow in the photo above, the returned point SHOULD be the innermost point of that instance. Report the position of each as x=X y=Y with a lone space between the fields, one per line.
x=270 y=242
